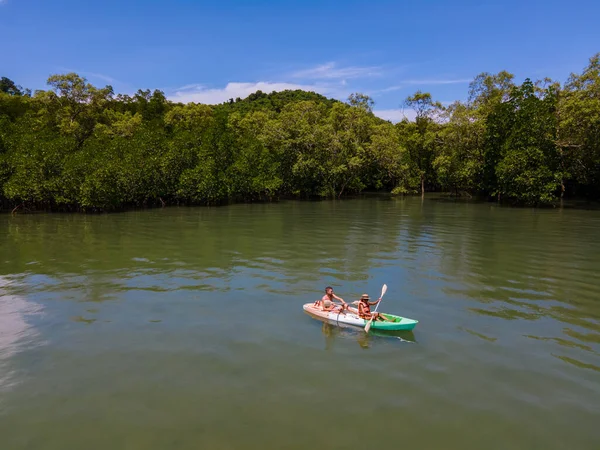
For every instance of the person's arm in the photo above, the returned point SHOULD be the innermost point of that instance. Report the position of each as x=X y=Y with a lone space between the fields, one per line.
x=339 y=298
x=375 y=302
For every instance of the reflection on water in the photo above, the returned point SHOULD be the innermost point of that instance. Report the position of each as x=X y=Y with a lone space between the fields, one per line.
x=333 y=330
x=83 y=320
x=184 y=326
x=578 y=363
x=16 y=334
x=479 y=335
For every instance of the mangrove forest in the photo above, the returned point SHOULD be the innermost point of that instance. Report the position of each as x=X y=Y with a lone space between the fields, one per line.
x=78 y=147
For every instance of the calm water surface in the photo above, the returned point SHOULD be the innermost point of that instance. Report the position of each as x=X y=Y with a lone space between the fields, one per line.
x=183 y=328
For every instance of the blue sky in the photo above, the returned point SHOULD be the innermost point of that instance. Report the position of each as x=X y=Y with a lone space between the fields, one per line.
x=211 y=51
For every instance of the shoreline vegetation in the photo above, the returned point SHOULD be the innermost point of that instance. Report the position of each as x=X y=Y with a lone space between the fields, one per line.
x=80 y=148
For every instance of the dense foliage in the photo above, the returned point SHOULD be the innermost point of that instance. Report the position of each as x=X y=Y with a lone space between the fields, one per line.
x=79 y=147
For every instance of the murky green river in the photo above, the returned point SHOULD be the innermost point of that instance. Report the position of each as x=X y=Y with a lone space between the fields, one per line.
x=183 y=328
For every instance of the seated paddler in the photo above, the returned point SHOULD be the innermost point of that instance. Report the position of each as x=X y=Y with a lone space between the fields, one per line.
x=364 y=309
x=327 y=302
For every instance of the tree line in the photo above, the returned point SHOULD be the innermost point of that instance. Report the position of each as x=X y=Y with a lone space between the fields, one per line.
x=77 y=147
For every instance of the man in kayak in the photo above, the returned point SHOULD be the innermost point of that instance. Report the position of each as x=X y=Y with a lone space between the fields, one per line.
x=327 y=303
x=364 y=309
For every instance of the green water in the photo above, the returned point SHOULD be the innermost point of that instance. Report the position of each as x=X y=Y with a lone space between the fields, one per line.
x=183 y=328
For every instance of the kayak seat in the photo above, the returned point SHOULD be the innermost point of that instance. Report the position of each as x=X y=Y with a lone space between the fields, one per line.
x=394 y=319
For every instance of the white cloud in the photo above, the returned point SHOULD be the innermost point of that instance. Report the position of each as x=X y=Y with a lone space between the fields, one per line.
x=200 y=94
x=92 y=75
x=189 y=87
x=395 y=115
x=332 y=72
x=99 y=76
x=425 y=82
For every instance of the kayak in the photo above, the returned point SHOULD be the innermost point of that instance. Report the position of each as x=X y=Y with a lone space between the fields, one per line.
x=352 y=318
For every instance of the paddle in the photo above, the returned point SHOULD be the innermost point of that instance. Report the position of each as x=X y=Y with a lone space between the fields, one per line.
x=383 y=291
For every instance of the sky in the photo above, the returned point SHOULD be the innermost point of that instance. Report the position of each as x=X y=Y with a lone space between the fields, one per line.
x=210 y=51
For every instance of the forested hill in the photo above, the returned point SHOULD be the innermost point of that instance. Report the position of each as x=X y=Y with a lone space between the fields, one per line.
x=275 y=101
x=79 y=147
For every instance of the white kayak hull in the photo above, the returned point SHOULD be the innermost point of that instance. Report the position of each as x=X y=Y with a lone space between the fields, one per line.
x=352 y=318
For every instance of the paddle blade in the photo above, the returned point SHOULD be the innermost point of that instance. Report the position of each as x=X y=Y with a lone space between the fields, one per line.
x=368 y=326
x=383 y=290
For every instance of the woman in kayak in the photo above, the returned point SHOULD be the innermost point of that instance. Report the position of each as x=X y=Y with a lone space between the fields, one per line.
x=364 y=309
x=327 y=301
